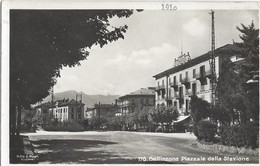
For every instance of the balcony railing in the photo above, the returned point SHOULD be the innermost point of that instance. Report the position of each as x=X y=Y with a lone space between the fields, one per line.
x=208 y=73
x=174 y=85
x=160 y=87
x=203 y=74
x=185 y=80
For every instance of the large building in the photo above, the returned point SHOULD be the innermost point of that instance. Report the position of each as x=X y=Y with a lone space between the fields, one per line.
x=137 y=100
x=62 y=110
x=175 y=86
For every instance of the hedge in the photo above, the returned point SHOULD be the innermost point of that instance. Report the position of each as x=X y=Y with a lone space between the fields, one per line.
x=240 y=135
x=205 y=130
x=65 y=127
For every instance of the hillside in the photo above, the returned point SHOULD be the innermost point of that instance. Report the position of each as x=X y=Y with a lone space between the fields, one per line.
x=88 y=100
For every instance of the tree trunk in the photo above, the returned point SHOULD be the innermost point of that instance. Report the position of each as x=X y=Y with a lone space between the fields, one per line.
x=12 y=119
x=18 y=120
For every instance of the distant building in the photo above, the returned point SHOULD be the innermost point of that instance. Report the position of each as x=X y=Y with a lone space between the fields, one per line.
x=144 y=97
x=108 y=110
x=62 y=110
x=175 y=86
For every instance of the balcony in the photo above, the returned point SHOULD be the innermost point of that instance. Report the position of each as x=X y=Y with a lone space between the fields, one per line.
x=186 y=82
x=160 y=87
x=174 y=85
x=202 y=78
x=161 y=97
x=208 y=74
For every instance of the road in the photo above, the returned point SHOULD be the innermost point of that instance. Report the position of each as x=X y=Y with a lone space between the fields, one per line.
x=124 y=147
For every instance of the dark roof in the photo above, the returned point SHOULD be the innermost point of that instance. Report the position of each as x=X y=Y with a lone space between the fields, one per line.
x=105 y=106
x=71 y=102
x=229 y=48
x=60 y=103
x=140 y=92
x=44 y=105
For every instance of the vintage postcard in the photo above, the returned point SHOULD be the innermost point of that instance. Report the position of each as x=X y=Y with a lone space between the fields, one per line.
x=132 y=82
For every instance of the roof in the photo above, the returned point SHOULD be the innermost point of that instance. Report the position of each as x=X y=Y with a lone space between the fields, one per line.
x=140 y=92
x=226 y=49
x=44 y=105
x=105 y=106
x=71 y=102
x=60 y=103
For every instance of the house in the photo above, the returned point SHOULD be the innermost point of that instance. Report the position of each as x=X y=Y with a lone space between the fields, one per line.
x=62 y=110
x=175 y=86
x=108 y=110
x=137 y=100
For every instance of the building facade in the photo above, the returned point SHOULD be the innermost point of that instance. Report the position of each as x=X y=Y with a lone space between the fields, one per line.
x=62 y=110
x=145 y=97
x=108 y=110
x=188 y=77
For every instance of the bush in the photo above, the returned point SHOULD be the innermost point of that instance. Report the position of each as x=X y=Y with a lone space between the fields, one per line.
x=205 y=130
x=239 y=135
x=66 y=126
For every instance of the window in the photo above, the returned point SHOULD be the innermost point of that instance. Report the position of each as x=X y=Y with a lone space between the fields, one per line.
x=133 y=101
x=202 y=71
x=181 y=92
x=174 y=80
x=142 y=101
x=175 y=103
x=194 y=73
x=163 y=82
x=194 y=89
x=79 y=115
x=186 y=75
x=180 y=77
x=169 y=80
x=147 y=101
x=72 y=113
x=202 y=88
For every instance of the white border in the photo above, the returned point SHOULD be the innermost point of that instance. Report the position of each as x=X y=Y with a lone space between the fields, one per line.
x=81 y=4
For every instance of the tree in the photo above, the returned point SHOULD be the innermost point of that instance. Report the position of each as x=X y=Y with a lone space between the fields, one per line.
x=165 y=116
x=200 y=109
x=44 y=41
x=250 y=68
x=249 y=48
x=230 y=94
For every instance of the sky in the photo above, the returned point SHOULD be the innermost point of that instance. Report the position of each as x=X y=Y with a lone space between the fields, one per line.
x=152 y=41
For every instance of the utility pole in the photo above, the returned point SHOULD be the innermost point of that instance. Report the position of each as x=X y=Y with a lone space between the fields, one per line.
x=99 y=114
x=212 y=62
x=80 y=101
x=52 y=101
x=76 y=117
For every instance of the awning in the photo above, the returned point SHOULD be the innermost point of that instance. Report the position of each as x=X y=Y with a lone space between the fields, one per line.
x=181 y=118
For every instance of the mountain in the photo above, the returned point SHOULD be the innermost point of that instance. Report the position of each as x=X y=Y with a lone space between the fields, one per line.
x=88 y=100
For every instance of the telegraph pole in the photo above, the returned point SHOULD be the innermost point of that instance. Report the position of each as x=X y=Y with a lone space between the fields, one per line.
x=52 y=100
x=212 y=62
x=99 y=113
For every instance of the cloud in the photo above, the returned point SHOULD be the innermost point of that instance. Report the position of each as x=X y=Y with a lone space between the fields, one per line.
x=195 y=27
